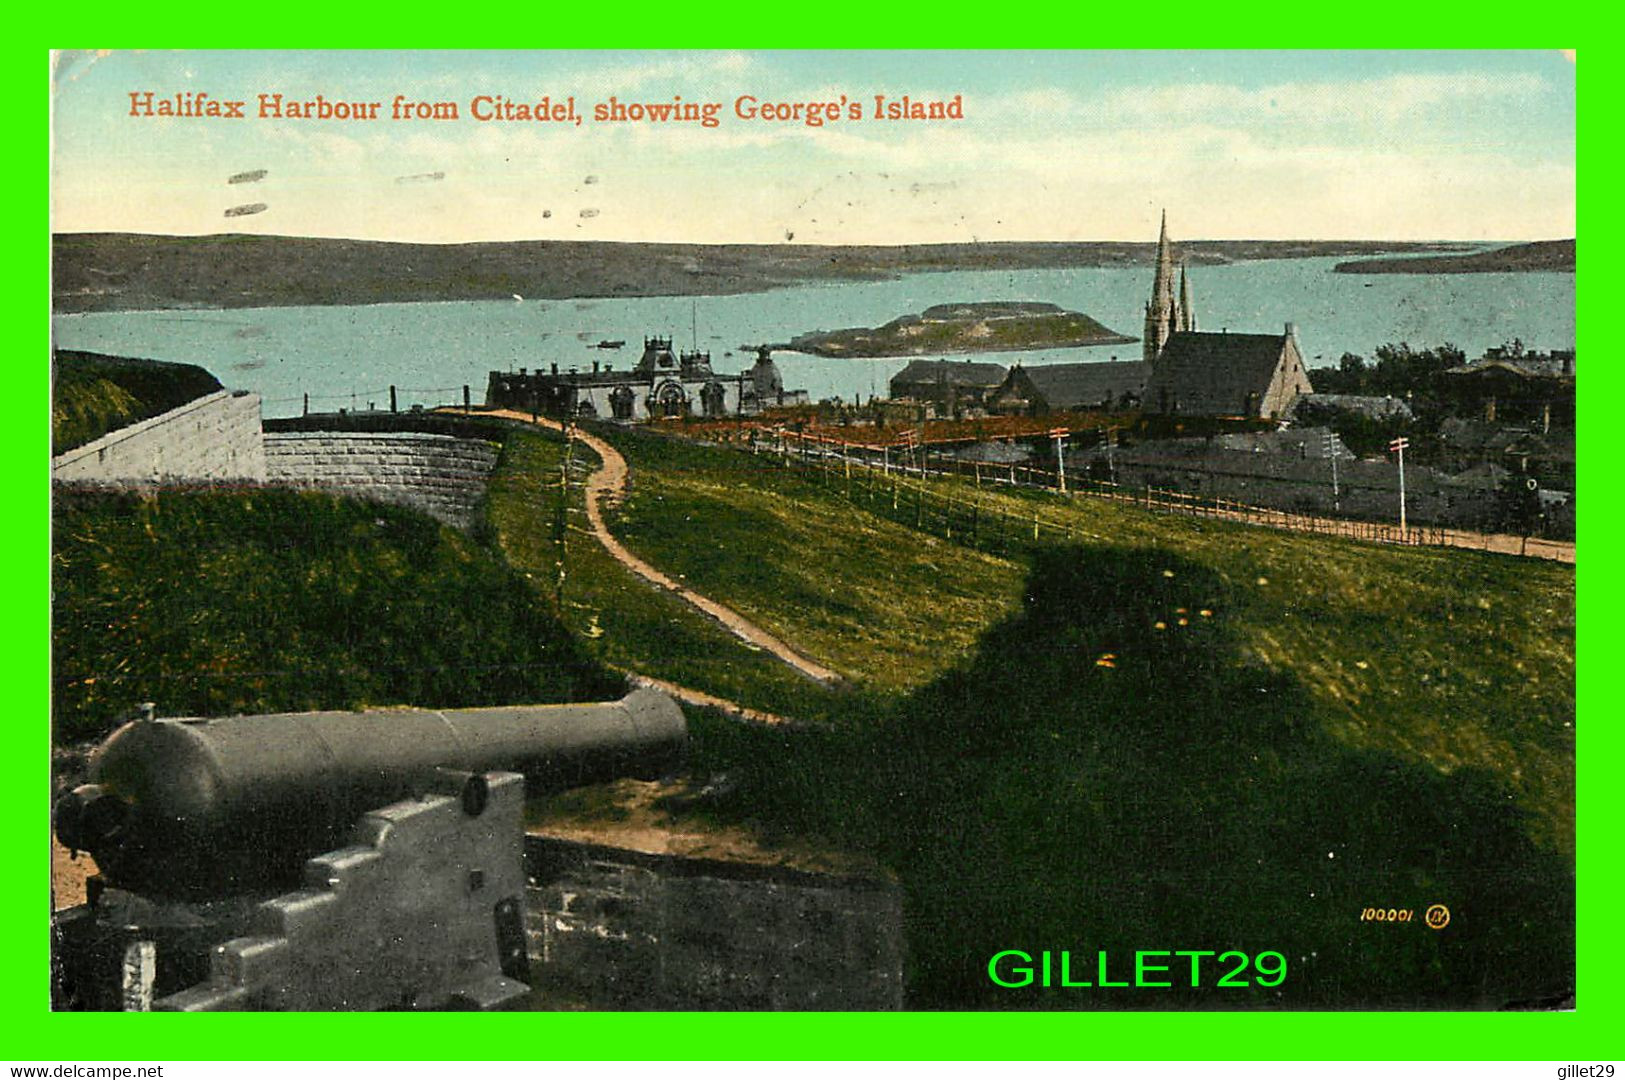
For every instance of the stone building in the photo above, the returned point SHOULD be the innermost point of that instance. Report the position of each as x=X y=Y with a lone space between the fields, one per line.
x=1189 y=373
x=1255 y=376
x=661 y=384
x=1510 y=386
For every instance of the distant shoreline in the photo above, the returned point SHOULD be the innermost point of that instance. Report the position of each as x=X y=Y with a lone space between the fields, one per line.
x=97 y=272
x=1545 y=256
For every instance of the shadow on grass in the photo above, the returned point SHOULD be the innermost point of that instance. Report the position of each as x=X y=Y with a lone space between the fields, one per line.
x=1091 y=780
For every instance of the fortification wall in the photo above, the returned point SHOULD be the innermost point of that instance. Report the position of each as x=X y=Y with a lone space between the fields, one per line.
x=215 y=437
x=438 y=474
x=617 y=929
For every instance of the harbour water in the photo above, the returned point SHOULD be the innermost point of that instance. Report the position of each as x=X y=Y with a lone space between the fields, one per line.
x=349 y=356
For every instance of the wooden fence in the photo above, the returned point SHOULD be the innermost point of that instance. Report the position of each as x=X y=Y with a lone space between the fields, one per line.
x=891 y=479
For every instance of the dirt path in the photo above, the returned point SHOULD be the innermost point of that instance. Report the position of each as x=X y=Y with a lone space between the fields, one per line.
x=608 y=482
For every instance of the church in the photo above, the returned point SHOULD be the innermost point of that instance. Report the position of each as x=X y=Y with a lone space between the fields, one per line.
x=1192 y=373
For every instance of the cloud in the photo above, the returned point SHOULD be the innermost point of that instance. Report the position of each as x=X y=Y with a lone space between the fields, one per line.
x=1399 y=155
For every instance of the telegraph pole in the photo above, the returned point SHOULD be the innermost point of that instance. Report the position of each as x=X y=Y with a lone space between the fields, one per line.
x=562 y=519
x=1331 y=452
x=1059 y=435
x=1398 y=446
x=911 y=440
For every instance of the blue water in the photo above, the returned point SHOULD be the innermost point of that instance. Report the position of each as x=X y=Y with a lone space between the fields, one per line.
x=349 y=356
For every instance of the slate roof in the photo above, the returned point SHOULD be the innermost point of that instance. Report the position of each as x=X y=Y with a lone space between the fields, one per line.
x=1528 y=367
x=1378 y=408
x=951 y=372
x=1070 y=386
x=1203 y=374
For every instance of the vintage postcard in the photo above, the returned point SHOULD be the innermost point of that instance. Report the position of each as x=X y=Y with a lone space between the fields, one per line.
x=996 y=531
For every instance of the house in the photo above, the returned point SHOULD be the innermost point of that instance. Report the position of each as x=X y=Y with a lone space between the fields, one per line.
x=1256 y=376
x=949 y=383
x=661 y=384
x=1509 y=385
x=1047 y=388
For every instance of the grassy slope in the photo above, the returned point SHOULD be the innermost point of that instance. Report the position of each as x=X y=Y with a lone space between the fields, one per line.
x=1351 y=726
x=625 y=622
x=94 y=394
x=215 y=603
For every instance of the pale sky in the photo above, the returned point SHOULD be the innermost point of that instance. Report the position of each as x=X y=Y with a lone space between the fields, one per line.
x=1052 y=146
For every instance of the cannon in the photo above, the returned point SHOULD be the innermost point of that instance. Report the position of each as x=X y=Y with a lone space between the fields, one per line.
x=332 y=860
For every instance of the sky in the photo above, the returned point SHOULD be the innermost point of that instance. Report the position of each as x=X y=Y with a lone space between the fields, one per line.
x=1050 y=146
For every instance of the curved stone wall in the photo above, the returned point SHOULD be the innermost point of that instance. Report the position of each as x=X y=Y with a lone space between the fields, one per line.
x=438 y=474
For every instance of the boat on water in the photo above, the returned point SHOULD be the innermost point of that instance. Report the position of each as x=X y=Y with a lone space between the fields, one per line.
x=609 y=344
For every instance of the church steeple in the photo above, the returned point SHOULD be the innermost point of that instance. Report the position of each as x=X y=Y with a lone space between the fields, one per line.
x=1164 y=314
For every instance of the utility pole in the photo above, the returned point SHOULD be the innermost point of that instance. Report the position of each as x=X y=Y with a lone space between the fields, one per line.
x=1398 y=446
x=1331 y=452
x=561 y=524
x=1059 y=435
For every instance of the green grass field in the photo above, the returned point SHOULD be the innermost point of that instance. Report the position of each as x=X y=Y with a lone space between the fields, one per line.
x=211 y=603
x=1049 y=758
x=1065 y=724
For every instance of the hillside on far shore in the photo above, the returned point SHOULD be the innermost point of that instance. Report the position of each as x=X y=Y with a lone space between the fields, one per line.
x=131 y=271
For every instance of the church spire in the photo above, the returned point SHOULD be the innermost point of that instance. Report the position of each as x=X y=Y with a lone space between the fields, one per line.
x=1162 y=314
x=1162 y=287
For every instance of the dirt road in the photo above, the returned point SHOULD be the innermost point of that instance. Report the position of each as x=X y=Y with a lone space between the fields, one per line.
x=609 y=482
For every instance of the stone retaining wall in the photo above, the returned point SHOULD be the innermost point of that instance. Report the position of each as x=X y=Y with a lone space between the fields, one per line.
x=438 y=474
x=616 y=929
x=216 y=437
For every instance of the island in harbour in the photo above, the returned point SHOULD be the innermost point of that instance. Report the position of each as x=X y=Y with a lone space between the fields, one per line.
x=990 y=326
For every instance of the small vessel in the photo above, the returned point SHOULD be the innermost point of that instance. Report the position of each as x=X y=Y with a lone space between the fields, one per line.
x=609 y=344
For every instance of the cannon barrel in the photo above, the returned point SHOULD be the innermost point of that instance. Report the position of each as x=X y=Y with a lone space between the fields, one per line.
x=194 y=808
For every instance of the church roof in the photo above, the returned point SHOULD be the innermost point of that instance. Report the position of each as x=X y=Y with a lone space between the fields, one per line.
x=1207 y=374
x=1068 y=386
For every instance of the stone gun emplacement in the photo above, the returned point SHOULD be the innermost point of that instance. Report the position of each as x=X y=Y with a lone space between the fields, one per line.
x=339 y=860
